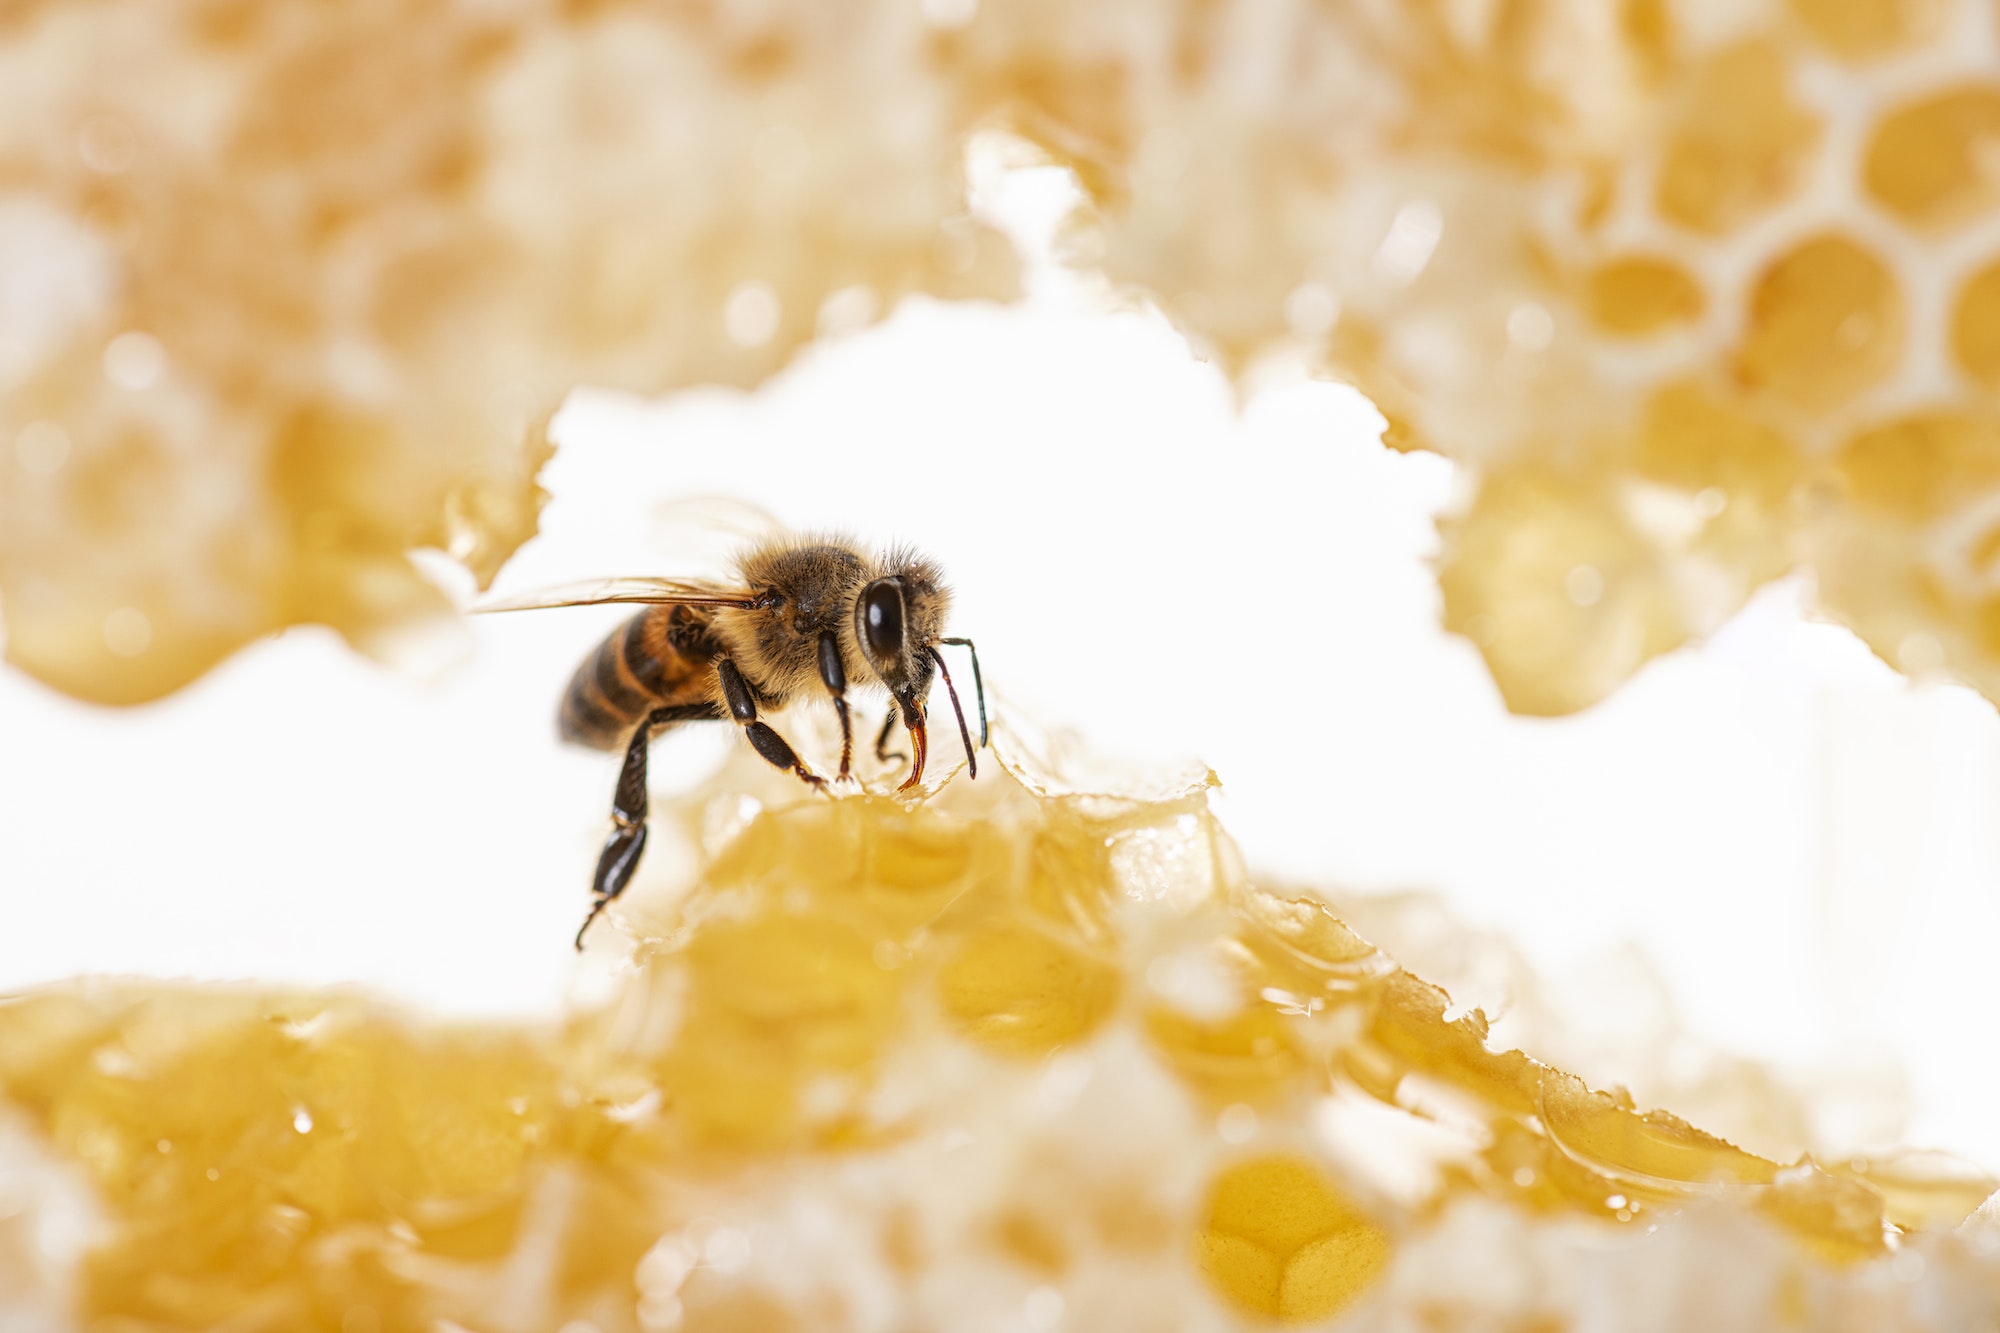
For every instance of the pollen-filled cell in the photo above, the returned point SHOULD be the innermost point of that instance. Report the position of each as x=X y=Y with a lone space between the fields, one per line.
x=1280 y=1240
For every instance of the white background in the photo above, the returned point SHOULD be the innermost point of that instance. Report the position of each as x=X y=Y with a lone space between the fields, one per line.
x=1802 y=843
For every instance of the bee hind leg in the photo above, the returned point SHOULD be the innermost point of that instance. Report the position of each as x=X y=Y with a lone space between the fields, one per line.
x=743 y=707
x=627 y=842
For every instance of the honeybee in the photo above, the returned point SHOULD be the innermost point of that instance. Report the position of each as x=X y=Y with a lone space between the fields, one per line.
x=802 y=613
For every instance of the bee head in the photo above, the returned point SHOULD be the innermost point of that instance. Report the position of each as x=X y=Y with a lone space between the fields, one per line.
x=897 y=618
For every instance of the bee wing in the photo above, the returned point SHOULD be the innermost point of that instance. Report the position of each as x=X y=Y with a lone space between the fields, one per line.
x=650 y=592
x=704 y=532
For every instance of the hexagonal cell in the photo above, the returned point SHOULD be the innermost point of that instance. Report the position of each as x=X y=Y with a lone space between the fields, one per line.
x=1975 y=326
x=1932 y=162
x=1279 y=1240
x=1860 y=30
x=1825 y=324
x=1638 y=295
x=1741 y=146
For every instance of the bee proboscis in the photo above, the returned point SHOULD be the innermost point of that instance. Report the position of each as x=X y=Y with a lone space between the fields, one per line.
x=803 y=613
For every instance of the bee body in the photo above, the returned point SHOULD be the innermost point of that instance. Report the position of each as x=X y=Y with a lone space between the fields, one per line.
x=803 y=616
x=664 y=656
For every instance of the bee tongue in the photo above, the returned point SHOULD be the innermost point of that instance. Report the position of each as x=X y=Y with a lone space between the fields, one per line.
x=913 y=722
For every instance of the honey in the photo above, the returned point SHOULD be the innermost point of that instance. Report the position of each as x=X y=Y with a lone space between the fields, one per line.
x=854 y=1061
x=1925 y=163
x=1825 y=324
x=1641 y=295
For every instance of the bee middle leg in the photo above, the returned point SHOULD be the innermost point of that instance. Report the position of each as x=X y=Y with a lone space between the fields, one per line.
x=834 y=676
x=622 y=849
x=766 y=742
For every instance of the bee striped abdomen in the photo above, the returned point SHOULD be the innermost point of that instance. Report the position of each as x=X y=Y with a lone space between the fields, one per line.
x=658 y=657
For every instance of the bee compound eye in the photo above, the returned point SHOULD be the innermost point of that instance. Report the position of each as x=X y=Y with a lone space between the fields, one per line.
x=882 y=620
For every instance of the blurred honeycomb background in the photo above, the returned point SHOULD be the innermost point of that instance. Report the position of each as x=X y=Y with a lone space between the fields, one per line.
x=1696 y=292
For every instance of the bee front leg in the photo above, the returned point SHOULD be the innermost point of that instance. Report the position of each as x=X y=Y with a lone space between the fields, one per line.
x=743 y=707
x=834 y=676
x=627 y=842
x=882 y=750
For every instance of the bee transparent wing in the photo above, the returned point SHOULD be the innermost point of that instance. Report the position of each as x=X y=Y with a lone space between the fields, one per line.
x=705 y=534
x=645 y=591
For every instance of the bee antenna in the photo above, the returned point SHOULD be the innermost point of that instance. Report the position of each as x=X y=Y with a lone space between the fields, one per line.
x=978 y=684
x=964 y=735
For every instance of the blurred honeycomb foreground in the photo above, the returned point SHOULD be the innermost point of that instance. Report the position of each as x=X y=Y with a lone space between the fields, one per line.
x=1020 y=1057
x=1698 y=291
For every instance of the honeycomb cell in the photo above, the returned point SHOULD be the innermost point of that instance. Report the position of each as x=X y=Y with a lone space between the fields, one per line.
x=1692 y=439
x=1743 y=143
x=1932 y=164
x=910 y=872
x=1067 y=886
x=778 y=1004
x=901 y=874
x=1975 y=326
x=808 y=984
x=1869 y=29
x=1017 y=990
x=1640 y=295
x=1249 y=1057
x=1562 y=596
x=1280 y=1240
x=1921 y=467
x=1825 y=325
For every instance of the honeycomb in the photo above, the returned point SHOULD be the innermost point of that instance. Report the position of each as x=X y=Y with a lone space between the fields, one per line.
x=1697 y=293
x=298 y=284
x=1027 y=1054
